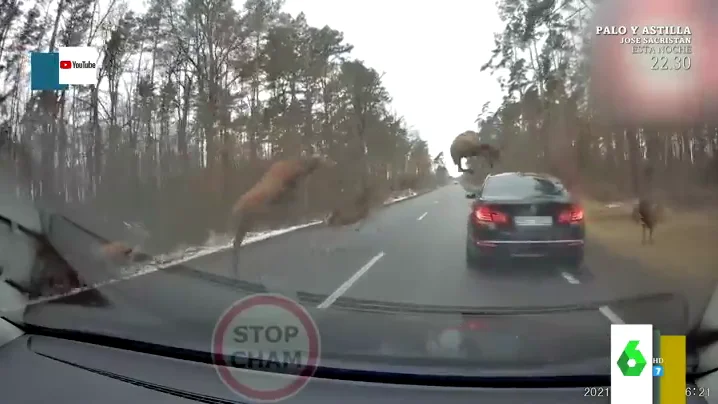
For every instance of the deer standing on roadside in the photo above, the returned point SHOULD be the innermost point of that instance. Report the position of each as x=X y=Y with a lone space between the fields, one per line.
x=468 y=144
x=648 y=214
x=647 y=211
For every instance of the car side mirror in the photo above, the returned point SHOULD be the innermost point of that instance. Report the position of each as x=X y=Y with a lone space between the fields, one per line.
x=470 y=195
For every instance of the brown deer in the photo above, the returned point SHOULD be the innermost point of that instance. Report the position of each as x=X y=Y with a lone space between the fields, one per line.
x=120 y=253
x=468 y=144
x=647 y=211
x=648 y=214
x=356 y=211
x=55 y=275
x=352 y=212
x=276 y=187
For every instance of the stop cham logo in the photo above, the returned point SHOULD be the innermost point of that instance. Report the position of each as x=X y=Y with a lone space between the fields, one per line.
x=266 y=347
x=631 y=362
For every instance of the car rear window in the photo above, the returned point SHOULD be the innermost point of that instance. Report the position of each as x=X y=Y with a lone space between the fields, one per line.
x=516 y=186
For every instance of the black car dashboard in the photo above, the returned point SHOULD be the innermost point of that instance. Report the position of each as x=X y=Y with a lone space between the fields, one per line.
x=38 y=369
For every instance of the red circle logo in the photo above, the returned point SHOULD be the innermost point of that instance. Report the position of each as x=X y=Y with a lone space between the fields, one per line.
x=266 y=347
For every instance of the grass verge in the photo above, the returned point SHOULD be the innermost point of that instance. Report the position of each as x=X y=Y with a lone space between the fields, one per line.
x=685 y=244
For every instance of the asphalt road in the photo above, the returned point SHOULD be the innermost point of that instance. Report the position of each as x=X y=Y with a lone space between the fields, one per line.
x=413 y=252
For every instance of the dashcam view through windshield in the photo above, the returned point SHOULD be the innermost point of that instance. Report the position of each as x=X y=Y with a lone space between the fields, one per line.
x=438 y=162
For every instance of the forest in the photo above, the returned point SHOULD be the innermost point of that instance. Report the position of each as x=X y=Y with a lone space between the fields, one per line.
x=548 y=122
x=194 y=100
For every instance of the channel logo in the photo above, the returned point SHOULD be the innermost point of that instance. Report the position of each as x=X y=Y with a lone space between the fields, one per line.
x=69 y=65
x=66 y=64
x=632 y=362
x=631 y=356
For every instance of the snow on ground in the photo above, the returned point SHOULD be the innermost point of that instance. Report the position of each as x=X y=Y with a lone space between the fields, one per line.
x=214 y=244
x=219 y=242
x=400 y=197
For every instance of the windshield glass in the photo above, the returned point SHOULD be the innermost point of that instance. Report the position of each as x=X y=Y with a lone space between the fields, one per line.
x=161 y=162
x=522 y=186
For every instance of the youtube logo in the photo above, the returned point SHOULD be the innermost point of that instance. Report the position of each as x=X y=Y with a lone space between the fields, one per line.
x=77 y=65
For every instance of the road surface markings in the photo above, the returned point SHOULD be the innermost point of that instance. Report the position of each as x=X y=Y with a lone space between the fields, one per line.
x=605 y=310
x=349 y=282
x=611 y=315
x=570 y=278
x=144 y=268
x=423 y=216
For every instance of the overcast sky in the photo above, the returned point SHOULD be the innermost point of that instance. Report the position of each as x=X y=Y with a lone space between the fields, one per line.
x=430 y=53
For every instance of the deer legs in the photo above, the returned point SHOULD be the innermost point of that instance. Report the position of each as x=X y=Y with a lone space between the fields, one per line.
x=243 y=226
x=646 y=229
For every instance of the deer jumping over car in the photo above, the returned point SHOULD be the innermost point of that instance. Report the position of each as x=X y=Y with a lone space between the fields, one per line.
x=275 y=187
x=468 y=144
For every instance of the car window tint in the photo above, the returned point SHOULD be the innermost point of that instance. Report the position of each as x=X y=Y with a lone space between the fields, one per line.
x=522 y=186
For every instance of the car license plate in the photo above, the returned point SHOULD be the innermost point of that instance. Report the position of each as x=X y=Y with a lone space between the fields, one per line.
x=533 y=220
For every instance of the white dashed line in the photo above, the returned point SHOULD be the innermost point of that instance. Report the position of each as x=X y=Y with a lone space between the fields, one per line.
x=346 y=285
x=570 y=278
x=423 y=216
x=605 y=310
x=611 y=315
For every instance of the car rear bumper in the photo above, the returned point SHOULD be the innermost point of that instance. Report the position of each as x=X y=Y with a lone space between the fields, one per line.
x=530 y=248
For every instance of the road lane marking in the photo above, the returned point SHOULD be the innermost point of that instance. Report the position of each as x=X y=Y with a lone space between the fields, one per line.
x=605 y=310
x=423 y=216
x=611 y=315
x=570 y=278
x=349 y=282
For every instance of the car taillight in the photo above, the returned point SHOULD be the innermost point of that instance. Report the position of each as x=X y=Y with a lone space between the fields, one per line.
x=572 y=215
x=487 y=214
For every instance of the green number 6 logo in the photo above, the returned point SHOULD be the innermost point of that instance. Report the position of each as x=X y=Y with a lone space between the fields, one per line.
x=631 y=362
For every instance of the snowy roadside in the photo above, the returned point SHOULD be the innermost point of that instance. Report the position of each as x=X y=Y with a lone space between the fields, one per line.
x=220 y=242
x=215 y=243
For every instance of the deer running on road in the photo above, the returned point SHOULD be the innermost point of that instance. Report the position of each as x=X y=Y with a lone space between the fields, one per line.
x=276 y=186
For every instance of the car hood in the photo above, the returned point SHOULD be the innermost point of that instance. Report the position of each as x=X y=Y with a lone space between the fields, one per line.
x=180 y=306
